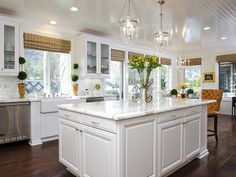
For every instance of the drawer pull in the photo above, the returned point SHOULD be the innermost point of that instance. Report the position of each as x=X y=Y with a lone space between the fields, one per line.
x=67 y=115
x=174 y=115
x=95 y=124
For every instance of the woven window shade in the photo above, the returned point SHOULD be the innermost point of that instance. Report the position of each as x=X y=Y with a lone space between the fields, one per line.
x=165 y=61
x=117 y=55
x=38 y=42
x=131 y=54
x=193 y=61
x=226 y=58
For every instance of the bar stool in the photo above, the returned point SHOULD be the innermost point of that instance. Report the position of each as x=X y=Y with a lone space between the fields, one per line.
x=233 y=107
x=213 y=108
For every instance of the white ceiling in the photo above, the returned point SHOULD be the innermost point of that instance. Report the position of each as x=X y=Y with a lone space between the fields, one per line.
x=182 y=16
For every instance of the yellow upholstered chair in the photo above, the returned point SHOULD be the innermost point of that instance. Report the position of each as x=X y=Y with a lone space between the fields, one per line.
x=213 y=108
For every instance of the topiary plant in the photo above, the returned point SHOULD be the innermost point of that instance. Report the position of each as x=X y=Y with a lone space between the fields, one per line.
x=21 y=60
x=75 y=66
x=22 y=76
x=190 y=91
x=97 y=86
x=174 y=92
x=74 y=77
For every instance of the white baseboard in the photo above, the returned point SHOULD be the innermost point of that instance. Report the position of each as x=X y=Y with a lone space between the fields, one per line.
x=51 y=138
x=35 y=143
x=203 y=154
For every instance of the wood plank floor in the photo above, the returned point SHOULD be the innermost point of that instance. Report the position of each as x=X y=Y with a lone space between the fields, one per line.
x=22 y=160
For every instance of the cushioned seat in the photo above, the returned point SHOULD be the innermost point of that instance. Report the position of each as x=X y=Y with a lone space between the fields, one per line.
x=213 y=108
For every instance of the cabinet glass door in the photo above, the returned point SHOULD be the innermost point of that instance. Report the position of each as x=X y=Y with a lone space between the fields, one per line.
x=105 y=59
x=9 y=47
x=91 y=57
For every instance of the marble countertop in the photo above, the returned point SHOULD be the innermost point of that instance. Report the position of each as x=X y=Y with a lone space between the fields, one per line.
x=38 y=99
x=118 y=110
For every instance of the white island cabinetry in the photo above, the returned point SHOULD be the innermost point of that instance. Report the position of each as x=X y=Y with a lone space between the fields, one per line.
x=124 y=139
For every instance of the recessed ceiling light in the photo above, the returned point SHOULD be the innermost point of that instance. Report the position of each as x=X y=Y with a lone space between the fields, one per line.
x=223 y=38
x=53 y=22
x=74 y=9
x=207 y=28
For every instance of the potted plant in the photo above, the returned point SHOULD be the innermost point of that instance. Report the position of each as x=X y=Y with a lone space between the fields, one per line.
x=22 y=76
x=182 y=91
x=75 y=78
x=190 y=93
x=97 y=86
x=174 y=93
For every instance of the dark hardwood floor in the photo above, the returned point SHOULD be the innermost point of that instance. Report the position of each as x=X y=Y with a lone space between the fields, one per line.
x=22 y=160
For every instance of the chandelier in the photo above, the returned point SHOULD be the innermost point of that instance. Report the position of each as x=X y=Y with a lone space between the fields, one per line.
x=129 y=25
x=161 y=37
x=182 y=63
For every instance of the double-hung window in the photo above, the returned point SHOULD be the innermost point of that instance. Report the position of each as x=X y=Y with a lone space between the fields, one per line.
x=48 y=65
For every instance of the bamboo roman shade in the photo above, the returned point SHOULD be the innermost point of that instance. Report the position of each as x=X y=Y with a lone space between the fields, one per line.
x=165 y=61
x=193 y=61
x=226 y=58
x=117 y=55
x=39 y=42
x=131 y=54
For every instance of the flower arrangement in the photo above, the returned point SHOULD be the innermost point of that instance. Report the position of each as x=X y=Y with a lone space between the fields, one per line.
x=182 y=86
x=144 y=66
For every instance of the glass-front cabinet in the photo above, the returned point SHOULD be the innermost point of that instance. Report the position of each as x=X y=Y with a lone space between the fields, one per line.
x=9 y=48
x=105 y=59
x=93 y=56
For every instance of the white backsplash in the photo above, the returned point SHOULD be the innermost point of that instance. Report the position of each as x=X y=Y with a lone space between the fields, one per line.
x=8 y=87
x=90 y=85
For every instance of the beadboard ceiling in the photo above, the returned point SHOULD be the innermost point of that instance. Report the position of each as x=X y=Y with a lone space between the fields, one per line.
x=185 y=18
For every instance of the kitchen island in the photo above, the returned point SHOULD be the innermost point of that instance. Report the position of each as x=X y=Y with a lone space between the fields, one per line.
x=126 y=139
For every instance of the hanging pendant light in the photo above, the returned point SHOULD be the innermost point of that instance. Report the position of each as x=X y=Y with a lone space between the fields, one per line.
x=161 y=37
x=129 y=25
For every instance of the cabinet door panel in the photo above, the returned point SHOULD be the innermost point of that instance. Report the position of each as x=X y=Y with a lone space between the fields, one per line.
x=99 y=153
x=49 y=125
x=69 y=147
x=139 y=149
x=192 y=138
x=171 y=141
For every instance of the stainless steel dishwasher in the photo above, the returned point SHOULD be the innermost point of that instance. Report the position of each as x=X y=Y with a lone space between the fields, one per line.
x=14 y=122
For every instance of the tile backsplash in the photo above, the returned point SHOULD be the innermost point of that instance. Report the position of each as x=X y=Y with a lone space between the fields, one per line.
x=8 y=87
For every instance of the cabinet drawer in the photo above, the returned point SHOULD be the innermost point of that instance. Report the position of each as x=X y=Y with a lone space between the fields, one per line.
x=104 y=124
x=168 y=116
x=73 y=116
x=192 y=111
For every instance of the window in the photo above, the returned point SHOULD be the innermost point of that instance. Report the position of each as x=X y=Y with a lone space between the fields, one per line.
x=114 y=85
x=227 y=76
x=165 y=77
x=48 y=72
x=193 y=77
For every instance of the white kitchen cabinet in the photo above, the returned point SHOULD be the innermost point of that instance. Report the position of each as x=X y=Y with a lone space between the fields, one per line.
x=139 y=148
x=192 y=133
x=93 y=56
x=180 y=142
x=9 y=48
x=49 y=125
x=99 y=153
x=170 y=136
x=70 y=147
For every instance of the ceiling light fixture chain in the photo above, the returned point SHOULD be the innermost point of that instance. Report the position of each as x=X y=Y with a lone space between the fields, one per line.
x=160 y=37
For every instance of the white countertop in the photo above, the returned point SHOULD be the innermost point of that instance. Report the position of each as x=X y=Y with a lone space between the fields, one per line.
x=38 y=99
x=118 y=110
